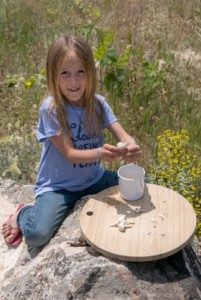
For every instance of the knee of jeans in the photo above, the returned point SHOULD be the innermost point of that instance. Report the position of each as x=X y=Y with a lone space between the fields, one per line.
x=38 y=237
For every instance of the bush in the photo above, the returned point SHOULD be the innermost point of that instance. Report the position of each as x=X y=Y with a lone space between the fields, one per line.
x=178 y=168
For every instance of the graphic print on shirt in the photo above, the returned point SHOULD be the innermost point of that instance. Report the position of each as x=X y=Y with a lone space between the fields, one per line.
x=83 y=141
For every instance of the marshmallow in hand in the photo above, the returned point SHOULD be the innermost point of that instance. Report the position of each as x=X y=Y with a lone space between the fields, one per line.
x=121 y=145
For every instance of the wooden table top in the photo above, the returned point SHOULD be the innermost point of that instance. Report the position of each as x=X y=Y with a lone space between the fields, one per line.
x=166 y=223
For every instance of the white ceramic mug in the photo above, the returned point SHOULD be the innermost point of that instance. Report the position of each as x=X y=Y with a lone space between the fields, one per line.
x=131 y=181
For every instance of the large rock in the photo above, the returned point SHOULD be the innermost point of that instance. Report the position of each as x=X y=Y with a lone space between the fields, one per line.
x=68 y=268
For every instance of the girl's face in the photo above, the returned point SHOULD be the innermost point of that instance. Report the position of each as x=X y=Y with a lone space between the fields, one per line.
x=72 y=79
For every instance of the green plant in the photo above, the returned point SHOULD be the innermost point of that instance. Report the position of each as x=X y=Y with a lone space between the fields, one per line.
x=110 y=64
x=178 y=167
x=20 y=155
x=19 y=82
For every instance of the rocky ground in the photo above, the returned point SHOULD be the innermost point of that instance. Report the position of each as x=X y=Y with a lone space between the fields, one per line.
x=68 y=268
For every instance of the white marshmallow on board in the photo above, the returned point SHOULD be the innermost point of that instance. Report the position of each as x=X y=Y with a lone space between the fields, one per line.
x=122 y=223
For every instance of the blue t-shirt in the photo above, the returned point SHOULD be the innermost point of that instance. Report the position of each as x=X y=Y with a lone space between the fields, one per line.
x=55 y=171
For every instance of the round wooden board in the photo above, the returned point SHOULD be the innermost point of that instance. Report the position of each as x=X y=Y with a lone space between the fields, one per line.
x=165 y=226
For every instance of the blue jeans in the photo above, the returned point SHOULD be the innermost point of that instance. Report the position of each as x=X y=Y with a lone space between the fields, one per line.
x=40 y=222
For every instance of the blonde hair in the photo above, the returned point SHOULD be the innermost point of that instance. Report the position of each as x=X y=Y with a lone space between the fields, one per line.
x=58 y=51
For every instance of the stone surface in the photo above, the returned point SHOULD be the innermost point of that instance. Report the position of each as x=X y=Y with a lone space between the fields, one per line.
x=68 y=268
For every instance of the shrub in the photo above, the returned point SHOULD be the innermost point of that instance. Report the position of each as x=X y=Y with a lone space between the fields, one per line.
x=178 y=168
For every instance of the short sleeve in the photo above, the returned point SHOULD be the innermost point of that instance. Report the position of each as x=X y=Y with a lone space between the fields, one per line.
x=48 y=124
x=109 y=116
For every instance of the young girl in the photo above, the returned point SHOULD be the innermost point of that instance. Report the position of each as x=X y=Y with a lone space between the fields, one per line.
x=71 y=123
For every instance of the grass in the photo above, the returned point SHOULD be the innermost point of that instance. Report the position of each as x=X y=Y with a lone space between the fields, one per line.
x=146 y=70
x=154 y=100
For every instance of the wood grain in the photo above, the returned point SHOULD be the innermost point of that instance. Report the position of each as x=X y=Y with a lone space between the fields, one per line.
x=165 y=226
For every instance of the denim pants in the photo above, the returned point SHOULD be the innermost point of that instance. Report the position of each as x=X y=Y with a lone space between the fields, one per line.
x=40 y=222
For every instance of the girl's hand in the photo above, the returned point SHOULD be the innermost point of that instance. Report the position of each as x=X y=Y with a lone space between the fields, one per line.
x=110 y=152
x=132 y=153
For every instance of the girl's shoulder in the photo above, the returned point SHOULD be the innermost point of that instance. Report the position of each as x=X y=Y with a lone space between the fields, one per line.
x=101 y=101
x=46 y=103
x=100 y=98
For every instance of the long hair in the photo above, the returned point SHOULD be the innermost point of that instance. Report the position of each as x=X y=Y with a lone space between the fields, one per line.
x=58 y=51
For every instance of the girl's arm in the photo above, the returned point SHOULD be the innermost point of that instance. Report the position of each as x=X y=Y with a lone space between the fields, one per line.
x=132 y=151
x=65 y=146
x=119 y=133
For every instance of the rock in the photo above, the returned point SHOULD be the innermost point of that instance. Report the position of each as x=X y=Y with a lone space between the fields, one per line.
x=68 y=268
